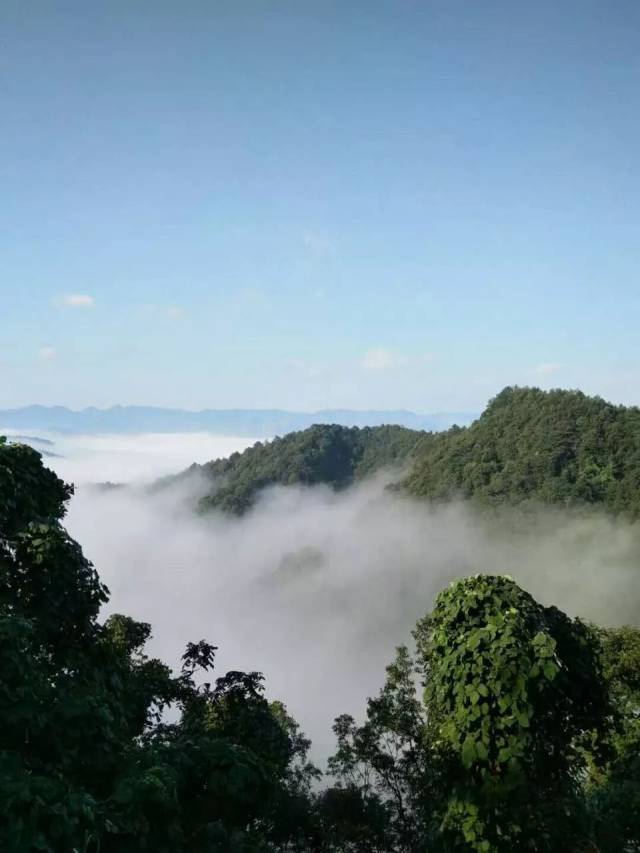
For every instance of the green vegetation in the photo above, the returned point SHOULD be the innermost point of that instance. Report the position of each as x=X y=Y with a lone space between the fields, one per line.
x=512 y=727
x=526 y=738
x=88 y=761
x=556 y=447
x=518 y=702
x=334 y=455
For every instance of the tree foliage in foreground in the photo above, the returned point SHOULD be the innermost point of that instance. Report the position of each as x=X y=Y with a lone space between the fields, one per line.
x=87 y=761
x=517 y=701
x=512 y=728
x=526 y=737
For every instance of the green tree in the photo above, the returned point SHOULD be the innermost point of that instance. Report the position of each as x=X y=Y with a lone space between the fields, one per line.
x=387 y=760
x=518 y=707
x=614 y=795
x=525 y=739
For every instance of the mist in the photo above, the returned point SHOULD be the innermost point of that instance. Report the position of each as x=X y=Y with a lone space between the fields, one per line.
x=315 y=589
x=125 y=458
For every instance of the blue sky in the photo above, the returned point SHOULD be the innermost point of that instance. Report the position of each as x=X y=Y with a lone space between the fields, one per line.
x=308 y=203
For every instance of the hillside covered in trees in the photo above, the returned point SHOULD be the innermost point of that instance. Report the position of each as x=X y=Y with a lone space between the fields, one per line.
x=557 y=447
x=334 y=455
x=509 y=727
x=549 y=446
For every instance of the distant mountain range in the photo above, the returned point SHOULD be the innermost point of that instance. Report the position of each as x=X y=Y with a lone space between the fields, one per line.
x=238 y=422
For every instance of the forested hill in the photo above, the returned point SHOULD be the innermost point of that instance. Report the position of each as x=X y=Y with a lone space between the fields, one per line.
x=548 y=446
x=330 y=454
x=559 y=447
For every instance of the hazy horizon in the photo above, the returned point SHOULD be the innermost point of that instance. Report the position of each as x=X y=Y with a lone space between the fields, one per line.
x=169 y=408
x=247 y=423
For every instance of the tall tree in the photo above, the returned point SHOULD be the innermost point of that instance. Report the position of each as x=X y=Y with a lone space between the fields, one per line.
x=516 y=699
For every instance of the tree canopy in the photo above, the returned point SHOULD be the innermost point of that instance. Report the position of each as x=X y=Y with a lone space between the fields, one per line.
x=329 y=454
x=557 y=447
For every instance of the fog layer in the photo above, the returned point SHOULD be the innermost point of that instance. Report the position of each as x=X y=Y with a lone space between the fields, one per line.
x=315 y=589
x=125 y=458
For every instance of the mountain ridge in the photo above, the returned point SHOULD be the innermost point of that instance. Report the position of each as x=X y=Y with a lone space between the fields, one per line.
x=239 y=422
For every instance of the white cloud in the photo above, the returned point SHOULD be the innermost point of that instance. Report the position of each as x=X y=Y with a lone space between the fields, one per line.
x=543 y=371
x=78 y=300
x=379 y=359
x=47 y=353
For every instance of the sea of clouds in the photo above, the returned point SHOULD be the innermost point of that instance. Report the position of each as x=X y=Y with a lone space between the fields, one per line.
x=313 y=588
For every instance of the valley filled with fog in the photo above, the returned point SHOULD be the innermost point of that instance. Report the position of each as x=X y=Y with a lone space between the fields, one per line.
x=311 y=587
